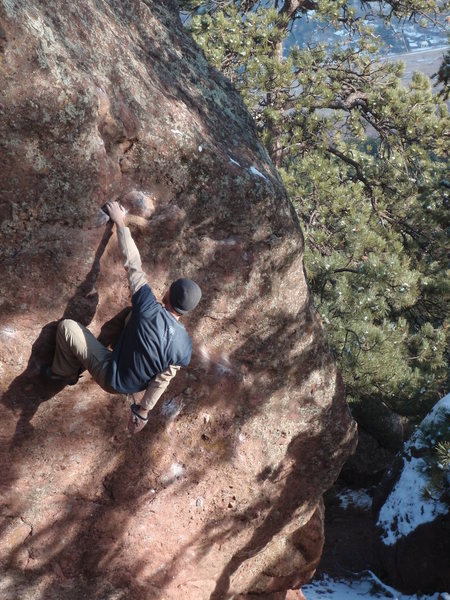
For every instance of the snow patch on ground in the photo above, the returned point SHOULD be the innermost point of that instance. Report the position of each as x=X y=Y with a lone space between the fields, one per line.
x=440 y=410
x=405 y=508
x=355 y=499
x=367 y=586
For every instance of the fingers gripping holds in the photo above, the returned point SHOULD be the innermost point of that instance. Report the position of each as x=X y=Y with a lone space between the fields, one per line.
x=136 y=422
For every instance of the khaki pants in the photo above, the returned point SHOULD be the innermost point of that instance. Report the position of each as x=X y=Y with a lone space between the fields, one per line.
x=76 y=346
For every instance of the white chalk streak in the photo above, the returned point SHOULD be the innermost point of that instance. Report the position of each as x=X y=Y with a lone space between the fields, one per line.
x=254 y=171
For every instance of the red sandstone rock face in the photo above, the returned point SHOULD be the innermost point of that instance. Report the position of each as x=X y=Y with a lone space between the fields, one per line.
x=220 y=495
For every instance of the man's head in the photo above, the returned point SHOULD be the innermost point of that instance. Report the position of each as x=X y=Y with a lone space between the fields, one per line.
x=184 y=295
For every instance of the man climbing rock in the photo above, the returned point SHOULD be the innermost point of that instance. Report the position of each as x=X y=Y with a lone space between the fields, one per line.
x=151 y=348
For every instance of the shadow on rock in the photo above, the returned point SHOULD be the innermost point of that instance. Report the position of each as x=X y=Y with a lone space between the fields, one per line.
x=297 y=491
x=29 y=389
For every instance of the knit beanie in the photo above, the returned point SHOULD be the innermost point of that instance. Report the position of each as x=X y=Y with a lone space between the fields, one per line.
x=184 y=295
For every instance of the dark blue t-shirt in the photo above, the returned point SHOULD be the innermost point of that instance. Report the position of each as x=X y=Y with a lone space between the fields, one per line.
x=151 y=341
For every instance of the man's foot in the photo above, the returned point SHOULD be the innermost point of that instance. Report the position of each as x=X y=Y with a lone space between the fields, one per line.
x=136 y=421
x=47 y=373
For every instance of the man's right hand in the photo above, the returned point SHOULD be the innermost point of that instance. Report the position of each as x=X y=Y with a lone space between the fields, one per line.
x=138 y=419
x=116 y=213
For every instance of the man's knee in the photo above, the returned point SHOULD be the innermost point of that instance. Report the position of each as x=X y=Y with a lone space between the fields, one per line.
x=66 y=326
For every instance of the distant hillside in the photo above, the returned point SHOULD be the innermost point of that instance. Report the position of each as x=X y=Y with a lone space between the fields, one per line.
x=398 y=38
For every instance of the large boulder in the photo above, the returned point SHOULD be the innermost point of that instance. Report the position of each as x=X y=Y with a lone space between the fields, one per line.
x=411 y=506
x=221 y=493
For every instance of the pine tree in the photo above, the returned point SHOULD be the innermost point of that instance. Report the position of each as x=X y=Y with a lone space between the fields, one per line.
x=363 y=159
x=443 y=76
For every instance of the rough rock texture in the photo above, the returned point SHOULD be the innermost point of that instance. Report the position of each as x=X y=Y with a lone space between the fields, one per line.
x=221 y=495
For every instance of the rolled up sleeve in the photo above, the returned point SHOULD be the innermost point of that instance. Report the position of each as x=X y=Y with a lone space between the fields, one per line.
x=132 y=258
x=158 y=386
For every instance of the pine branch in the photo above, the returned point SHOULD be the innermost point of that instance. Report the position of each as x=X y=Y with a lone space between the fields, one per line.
x=356 y=165
x=346 y=270
x=290 y=7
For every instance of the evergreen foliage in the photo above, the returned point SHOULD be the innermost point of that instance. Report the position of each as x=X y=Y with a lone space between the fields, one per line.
x=443 y=76
x=434 y=447
x=443 y=454
x=364 y=161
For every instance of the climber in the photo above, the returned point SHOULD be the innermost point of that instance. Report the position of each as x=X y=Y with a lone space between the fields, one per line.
x=152 y=346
